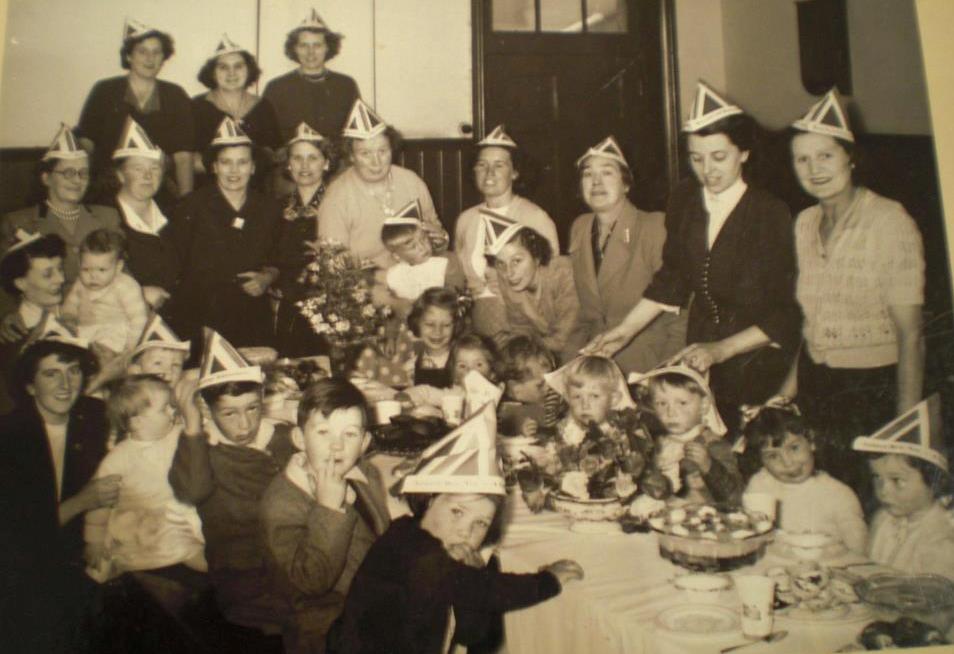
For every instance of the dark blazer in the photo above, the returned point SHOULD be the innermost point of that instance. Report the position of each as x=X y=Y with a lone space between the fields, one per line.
x=152 y=260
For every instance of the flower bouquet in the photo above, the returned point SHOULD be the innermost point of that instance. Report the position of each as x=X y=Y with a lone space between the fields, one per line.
x=337 y=299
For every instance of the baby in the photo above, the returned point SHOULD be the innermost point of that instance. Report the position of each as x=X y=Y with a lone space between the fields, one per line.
x=159 y=353
x=148 y=528
x=106 y=304
x=809 y=499
x=692 y=448
x=592 y=387
x=524 y=361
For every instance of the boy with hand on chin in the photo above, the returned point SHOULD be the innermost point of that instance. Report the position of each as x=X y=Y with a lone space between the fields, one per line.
x=321 y=516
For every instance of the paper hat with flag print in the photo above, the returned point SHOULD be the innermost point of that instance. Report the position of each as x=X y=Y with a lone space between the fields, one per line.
x=136 y=143
x=409 y=214
x=51 y=329
x=496 y=231
x=608 y=148
x=559 y=379
x=222 y=363
x=21 y=239
x=64 y=146
x=827 y=116
x=313 y=21
x=304 y=132
x=230 y=133
x=133 y=29
x=707 y=108
x=227 y=46
x=157 y=334
x=916 y=432
x=499 y=137
x=464 y=461
x=711 y=419
x=362 y=122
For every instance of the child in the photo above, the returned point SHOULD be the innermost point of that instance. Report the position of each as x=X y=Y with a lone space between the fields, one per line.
x=524 y=360
x=105 y=302
x=592 y=386
x=913 y=531
x=473 y=352
x=223 y=469
x=321 y=516
x=147 y=528
x=808 y=499
x=423 y=586
x=159 y=352
x=692 y=447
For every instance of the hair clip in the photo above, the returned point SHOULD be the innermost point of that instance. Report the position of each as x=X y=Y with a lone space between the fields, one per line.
x=781 y=402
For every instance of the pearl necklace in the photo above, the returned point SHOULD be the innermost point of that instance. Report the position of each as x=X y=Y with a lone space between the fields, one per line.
x=63 y=214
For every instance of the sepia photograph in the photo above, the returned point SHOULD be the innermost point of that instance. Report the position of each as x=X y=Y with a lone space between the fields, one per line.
x=487 y=326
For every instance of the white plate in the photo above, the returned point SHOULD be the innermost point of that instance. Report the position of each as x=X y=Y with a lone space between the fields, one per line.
x=699 y=620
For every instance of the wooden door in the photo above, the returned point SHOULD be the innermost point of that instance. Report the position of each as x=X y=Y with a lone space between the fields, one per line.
x=561 y=92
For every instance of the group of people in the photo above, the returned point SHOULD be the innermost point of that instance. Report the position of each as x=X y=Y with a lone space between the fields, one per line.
x=116 y=461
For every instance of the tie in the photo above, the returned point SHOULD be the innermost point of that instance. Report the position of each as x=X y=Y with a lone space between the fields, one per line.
x=595 y=243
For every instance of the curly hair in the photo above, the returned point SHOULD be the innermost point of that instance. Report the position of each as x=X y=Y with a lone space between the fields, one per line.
x=531 y=240
x=518 y=352
x=332 y=40
x=105 y=241
x=328 y=150
x=207 y=73
x=441 y=298
x=27 y=365
x=395 y=140
x=168 y=46
x=770 y=427
x=16 y=264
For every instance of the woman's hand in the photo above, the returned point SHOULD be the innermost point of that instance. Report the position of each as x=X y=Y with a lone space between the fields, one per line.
x=155 y=296
x=565 y=570
x=101 y=492
x=464 y=553
x=12 y=328
x=610 y=342
x=701 y=356
x=256 y=282
x=327 y=486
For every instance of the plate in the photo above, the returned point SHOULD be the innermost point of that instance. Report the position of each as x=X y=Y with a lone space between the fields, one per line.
x=701 y=620
x=907 y=594
x=843 y=613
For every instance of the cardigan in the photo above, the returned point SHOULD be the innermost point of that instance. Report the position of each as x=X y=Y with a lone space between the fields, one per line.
x=323 y=103
x=152 y=259
x=632 y=256
x=401 y=597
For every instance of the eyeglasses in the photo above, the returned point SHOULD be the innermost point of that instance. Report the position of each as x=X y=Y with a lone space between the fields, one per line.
x=73 y=174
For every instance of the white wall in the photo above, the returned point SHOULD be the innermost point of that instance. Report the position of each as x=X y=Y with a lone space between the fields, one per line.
x=700 y=48
x=413 y=63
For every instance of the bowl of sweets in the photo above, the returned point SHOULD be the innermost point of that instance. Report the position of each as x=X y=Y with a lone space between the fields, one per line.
x=707 y=538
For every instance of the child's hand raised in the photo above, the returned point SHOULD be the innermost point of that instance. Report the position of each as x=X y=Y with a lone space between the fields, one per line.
x=565 y=570
x=464 y=553
x=529 y=428
x=698 y=454
x=187 y=400
x=327 y=486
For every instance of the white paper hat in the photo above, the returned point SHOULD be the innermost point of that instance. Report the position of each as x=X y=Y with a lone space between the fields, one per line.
x=158 y=334
x=464 y=461
x=496 y=231
x=916 y=432
x=222 y=363
x=559 y=378
x=230 y=133
x=304 y=132
x=227 y=46
x=362 y=122
x=21 y=239
x=498 y=137
x=827 y=116
x=64 y=146
x=608 y=148
x=707 y=108
x=313 y=20
x=133 y=29
x=51 y=329
x=409 y=214
x=712 y=419
x=136 y=143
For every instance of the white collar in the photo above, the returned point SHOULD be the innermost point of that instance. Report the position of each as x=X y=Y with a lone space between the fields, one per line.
x=719 y=206
x=297 y=473
x=135 y=221
x=264 y=436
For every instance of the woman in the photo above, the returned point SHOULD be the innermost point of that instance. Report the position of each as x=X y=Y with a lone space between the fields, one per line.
x=226 y=234
x=615 y=247
x=64 y=175
x=731 y=245
x=310 y=159
x=537 y=289
x=228 y=74
x=311 y=93
x=497 y=169
x=162 y=108
x=373 y=188
x=151 y=255
x=860 y=286
x=50 y=447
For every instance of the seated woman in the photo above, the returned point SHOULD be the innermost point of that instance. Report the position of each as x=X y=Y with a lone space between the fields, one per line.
x=616 y=247
x=423 y=586
x=373 y=188
x=229 y=73
x=499 y=170
x=162 y=108
x=536 y=287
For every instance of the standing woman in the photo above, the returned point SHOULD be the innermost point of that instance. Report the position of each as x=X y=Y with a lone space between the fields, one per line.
x=731 y=245
x=229 y=73
x=860 y=286
x=310 y=159
x=371 y=189
x=226 y=234
x=162 y=108
x=499 y=167
x=616 y=247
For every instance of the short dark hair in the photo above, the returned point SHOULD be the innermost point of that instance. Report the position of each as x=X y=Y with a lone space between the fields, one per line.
x=391 y=233
x=934 y=477
x=28 y=362
x=523 y=164
x=479 y=342
x=207 y=73
x=624 y=172
x=443 y=298
x=105 y=241
x=211 y=154
x=16 y=264
x=741 y=129
x=676 y=380
x=211 y=394
x=531 y=240
x=420 y=502
x=395 y=140
x=168 y=46
x=329 y=395
x=517 y=352
x=332 y=39
x=327 y=148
